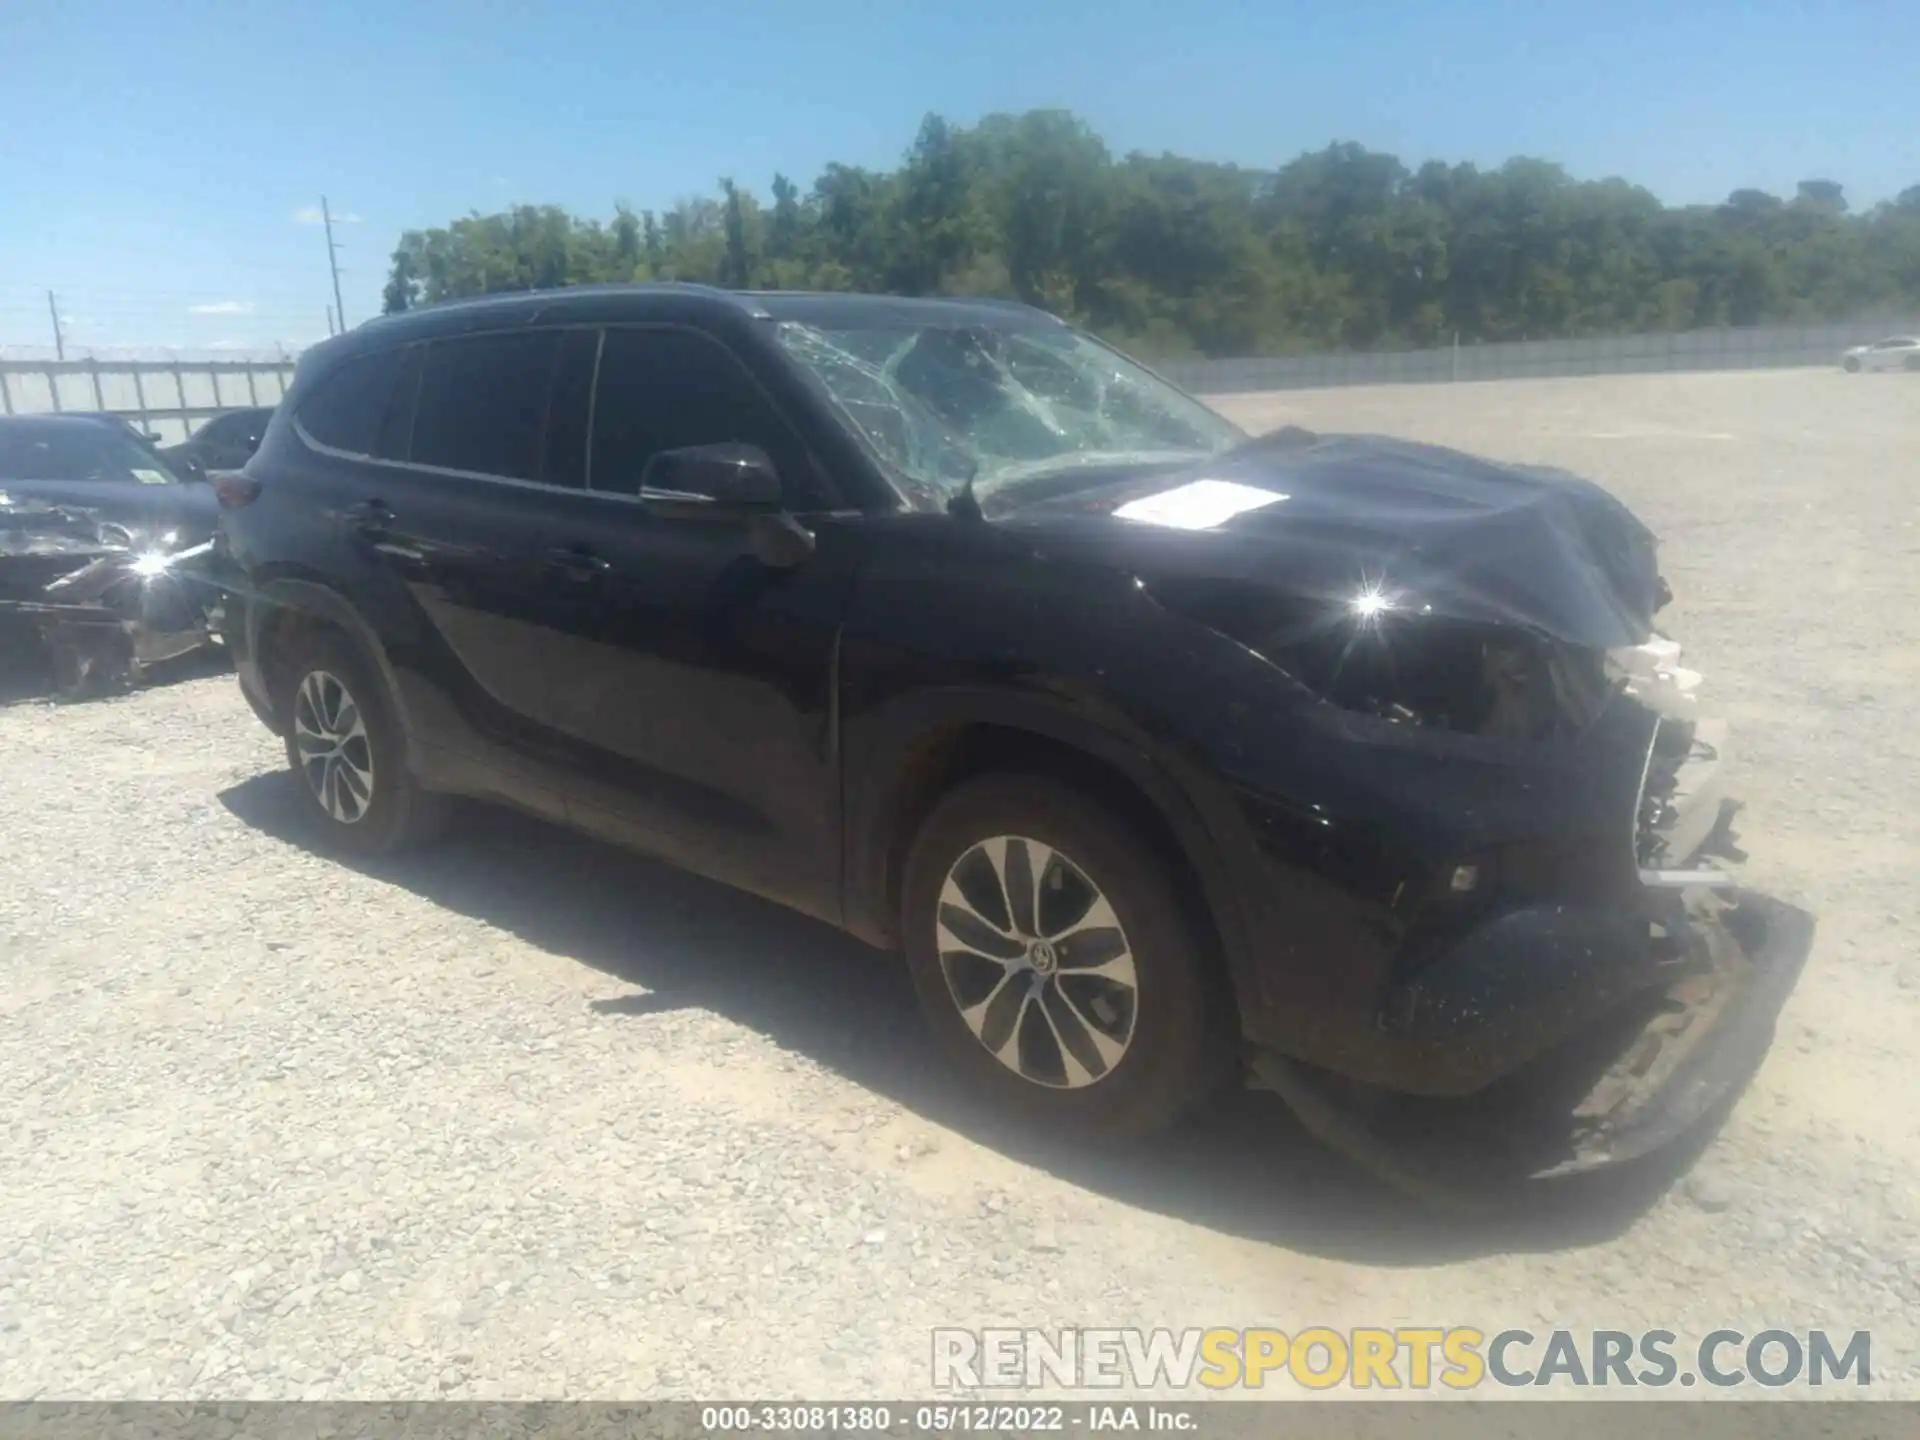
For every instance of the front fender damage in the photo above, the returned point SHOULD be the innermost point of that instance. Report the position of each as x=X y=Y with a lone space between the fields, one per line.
x=107 y=599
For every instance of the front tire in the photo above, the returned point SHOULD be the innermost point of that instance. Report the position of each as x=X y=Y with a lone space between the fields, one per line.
x=347 y=752
x=1851 y=365
x=1056 y=964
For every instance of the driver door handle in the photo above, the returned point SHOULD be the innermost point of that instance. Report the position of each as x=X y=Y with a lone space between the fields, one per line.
x=371 y=518
x=577 y=562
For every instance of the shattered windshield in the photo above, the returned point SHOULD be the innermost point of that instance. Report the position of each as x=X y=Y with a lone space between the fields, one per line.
x=952 y=402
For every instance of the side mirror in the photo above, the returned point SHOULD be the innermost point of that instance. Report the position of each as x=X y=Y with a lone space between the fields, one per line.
x=712 y=477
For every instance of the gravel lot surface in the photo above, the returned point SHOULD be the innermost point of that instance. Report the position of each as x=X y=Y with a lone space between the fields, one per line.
x=525 y=1117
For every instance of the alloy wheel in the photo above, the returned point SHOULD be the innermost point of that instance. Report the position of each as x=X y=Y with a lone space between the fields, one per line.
x=335 y=755
x=1038 y=963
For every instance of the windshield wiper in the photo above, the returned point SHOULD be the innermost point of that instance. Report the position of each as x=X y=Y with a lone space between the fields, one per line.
x=963 y=504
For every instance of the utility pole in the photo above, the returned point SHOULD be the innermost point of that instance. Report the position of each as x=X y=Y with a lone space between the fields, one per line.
x=59 y=340
x=333 y=262
x=330 y=329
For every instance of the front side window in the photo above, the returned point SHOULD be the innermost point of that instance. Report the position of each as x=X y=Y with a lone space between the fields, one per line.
x=483 y=403
x=666 y=389
x=947 y=402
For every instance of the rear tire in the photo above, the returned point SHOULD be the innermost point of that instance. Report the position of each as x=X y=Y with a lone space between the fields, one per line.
x=347 y=752
x=1851 y=365
x=1056 y=964
x=1913 y=362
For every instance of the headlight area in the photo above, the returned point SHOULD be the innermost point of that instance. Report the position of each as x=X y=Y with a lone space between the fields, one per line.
x=1432 y=672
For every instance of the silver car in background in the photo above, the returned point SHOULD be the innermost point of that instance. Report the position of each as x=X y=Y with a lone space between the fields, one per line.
x=1899 y=352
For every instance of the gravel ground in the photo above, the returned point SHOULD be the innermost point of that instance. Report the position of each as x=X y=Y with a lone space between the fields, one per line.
x=525 y=1117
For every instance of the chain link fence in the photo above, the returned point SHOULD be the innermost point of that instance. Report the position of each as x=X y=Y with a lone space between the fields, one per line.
x=173 y=397
x=169 y=398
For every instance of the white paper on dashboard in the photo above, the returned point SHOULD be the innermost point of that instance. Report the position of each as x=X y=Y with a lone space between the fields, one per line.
x=1198 y=505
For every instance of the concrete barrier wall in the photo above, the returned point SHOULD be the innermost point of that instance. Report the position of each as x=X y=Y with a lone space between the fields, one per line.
x=1756 y=348
x=173 y=399
x=170 y=399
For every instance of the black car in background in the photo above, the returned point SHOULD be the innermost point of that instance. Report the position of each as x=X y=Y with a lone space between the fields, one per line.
x=105 y=553
x=1170 y=757
x=106 y=469
x=226 y=442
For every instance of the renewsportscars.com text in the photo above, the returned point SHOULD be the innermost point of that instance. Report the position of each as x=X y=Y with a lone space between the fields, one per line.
x=1412 y=1358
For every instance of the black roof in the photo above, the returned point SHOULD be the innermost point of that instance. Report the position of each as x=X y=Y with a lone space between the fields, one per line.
x=661 y=300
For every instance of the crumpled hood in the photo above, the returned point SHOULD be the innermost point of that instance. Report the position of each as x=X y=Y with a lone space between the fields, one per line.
x=189 y=511
x=1415 y=527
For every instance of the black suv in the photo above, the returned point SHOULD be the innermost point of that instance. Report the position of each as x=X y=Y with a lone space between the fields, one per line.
x=1168 y=756
x=226 y=442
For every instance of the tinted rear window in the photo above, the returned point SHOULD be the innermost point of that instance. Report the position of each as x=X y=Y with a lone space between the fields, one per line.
x=349 y=407
x=483 y=403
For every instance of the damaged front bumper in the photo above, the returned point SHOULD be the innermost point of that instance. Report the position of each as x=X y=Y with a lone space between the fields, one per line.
x=1662 y=1005
x=107 y=614
x=1704 y=1038
x=1638 y=1081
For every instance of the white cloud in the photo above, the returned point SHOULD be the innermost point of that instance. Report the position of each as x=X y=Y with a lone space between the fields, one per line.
x=222 y=307
x=310 y=215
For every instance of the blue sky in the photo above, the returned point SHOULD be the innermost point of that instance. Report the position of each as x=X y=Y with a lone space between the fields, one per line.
x=157 y=156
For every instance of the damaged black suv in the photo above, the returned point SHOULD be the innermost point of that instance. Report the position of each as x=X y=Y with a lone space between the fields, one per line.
x=1168 y=756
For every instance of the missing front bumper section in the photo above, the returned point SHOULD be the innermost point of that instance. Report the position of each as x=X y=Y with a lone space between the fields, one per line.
x=1634 y=1082
x=1683 y=810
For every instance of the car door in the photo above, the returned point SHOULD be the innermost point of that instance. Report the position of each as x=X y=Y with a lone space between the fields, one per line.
x=693 y=681
x=460 y=524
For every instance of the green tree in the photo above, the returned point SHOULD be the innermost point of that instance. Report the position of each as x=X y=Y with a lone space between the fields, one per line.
x=1340 y=247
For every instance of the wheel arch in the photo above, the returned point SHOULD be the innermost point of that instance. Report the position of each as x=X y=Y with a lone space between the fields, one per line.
x=278 y=610
x=927 y=745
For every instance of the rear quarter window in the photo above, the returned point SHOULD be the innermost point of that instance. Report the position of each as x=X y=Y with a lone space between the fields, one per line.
x=357 y=407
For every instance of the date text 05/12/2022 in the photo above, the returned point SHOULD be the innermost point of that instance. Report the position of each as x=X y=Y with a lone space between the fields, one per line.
x=949 y=1419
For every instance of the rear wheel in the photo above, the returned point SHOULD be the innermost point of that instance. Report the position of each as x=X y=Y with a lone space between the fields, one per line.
x=1913 y=362
x=1056 y=963
x=347 y=752
x=1851 y=365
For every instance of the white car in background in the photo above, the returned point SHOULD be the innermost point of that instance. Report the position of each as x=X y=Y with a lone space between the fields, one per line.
x=1901 y=352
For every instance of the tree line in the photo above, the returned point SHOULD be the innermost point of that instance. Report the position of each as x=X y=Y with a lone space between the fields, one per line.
x=1342 y=248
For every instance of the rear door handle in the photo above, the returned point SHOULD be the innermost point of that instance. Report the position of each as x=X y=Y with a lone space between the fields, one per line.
x=577 y=562
x=371 y=518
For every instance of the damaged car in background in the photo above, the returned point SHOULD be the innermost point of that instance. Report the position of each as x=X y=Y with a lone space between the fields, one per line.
x=1357 y=770
x=105 y=555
